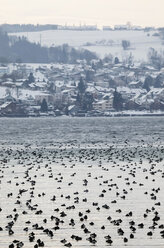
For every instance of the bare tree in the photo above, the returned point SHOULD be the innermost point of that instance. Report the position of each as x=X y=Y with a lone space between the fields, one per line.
x=156 y=58
x=125 y=44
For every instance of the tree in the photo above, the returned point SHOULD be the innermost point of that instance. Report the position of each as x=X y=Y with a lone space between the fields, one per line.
x=117 y=101
x=156 y=58
x=130 y=60
x=8 y=92
x=89 y=75
x=81 y=86
x=78 y=100
x=112 y=83
x=161 y=33
x=100 y=64
x=4 y=45
x=158 y=83
x=125 y=44
x=31 y=78
x=44 y=107
x=87 y=101
x=108 y=58
x=147 y=83
x=116 y=60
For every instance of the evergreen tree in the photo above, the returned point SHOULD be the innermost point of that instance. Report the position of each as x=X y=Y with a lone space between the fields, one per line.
x=44 y=107
x=147 y=83
x=117 y=101
x=31 y=78
x=158 y=81
x=78 y=100
x=81 y=86
x=4 y=46
x=87 y=102
x=116 y=60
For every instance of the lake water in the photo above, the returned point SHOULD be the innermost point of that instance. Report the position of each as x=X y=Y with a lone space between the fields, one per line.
x=81 y=130
x=87 y=177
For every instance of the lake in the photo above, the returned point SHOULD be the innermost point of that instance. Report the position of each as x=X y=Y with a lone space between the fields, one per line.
x=82 y=182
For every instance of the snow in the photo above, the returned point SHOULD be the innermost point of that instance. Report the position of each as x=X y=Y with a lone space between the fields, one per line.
x=40 y=84
x=140 y=41
x=23 y=94
x=39 y=76
x=131 y=74
x=156 y=91
x=71 y=107
x=59 y=84
x=4 y=105
x=99 y=88
x=18 y=84
x=91 y=89
x=129 y=90
x=139 y=113
x=101 y=102
x=133 y=83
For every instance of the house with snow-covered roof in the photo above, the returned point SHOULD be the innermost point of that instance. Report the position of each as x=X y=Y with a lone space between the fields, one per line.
x=103 y=105
x=4 y=70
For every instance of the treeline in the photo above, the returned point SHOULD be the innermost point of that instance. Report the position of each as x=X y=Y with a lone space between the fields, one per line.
x=21 y=50
x=13 y=28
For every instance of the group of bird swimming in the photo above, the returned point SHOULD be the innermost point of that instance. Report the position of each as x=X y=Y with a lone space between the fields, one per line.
x=75 y=195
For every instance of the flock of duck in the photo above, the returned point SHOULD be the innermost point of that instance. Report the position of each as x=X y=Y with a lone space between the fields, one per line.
x=78 y=196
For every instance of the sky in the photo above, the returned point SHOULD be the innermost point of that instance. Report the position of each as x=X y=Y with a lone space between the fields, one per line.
x=91 y=12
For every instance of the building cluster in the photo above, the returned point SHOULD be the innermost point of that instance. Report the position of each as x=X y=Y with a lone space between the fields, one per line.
x=80 y=89
x=127 y=26
x=78 y=28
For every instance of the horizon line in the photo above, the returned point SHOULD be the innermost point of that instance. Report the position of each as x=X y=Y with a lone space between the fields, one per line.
x=85 y=25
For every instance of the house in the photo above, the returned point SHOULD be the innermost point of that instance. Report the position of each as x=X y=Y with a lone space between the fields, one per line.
x=103 y=105
x=25 y=69
x=135 y=84
x=102 y=84
x=48 y=97
x=66 y=96
x=72 y=110
x=4 y=70
x=132 y=105
x=156 y=93
x=121 y=27
x=7 y=98
x=157 y=105
x=38 y=85
x=59 y=86
x=106 y=28
x=12 y=109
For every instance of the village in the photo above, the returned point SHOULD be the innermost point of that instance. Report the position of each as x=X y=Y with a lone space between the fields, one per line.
x=105 y=87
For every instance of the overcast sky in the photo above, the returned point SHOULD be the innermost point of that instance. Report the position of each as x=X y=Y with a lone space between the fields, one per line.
x=100 y=12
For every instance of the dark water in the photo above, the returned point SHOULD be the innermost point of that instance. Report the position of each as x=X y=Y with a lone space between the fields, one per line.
x=81 y=130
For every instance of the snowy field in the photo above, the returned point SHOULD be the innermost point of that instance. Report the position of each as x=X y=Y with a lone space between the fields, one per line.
x=103 y=42
x=77 y=182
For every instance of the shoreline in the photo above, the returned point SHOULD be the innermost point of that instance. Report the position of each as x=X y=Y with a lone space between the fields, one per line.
x=87 y=116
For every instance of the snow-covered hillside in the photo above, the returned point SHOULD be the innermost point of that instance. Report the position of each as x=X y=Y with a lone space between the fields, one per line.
x=102 y=42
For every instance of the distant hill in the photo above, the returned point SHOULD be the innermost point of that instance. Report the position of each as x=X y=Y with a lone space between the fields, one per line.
x=12 y=28
x=19 y=49
x=101 y=42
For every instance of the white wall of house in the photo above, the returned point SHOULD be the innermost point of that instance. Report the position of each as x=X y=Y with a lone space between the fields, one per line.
x=103 y=105
x=4 y=70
